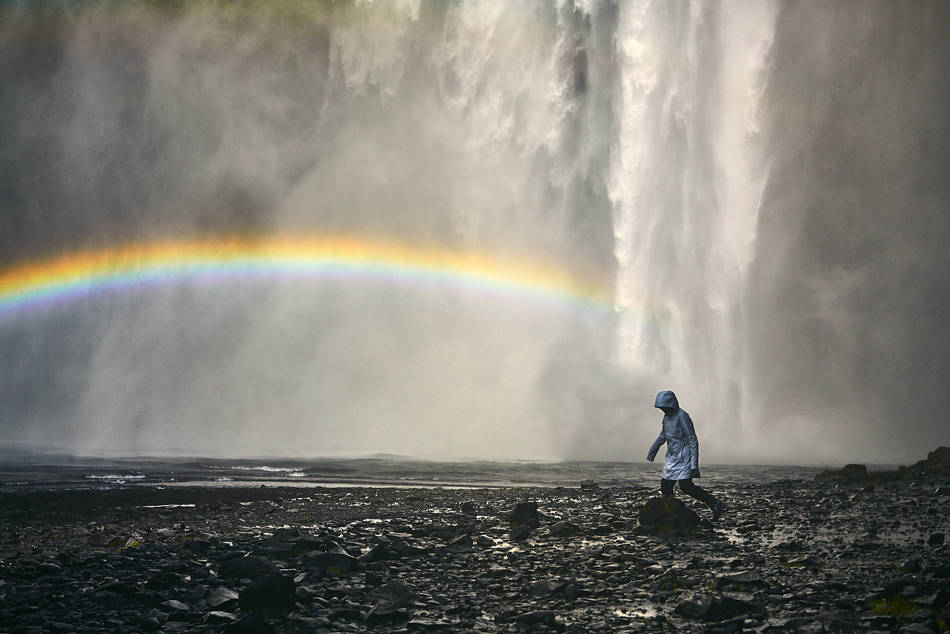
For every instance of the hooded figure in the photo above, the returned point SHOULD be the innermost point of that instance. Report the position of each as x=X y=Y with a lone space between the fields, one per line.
x=682 y=453
x=682 y=449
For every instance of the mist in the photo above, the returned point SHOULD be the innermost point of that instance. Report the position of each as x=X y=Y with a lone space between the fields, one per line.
x=762 y=186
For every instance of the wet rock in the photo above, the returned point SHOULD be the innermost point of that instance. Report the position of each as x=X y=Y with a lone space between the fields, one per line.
x=221 y=598
x=250 y=624
x=809 y=562
x=334 y=563
x=520 y=533
x=483 y=541
x=741 y=581
x=910 y=566
x=542 y=617
x=849 y=474
x=402 y=548
x=541 y=589
x=525 y=514
x=461 y=544
x=428 y=625
x=564 y=529
x=725 y=627
x=589 y=485
x=468 y=508
x=667 y=516
x=218 y=617
x=936 y=539
x=391 y=601
x=175 y=607
x=275 y=593
x=719 y=608
x=251 y=567
x=935 y=600
x=379 y=552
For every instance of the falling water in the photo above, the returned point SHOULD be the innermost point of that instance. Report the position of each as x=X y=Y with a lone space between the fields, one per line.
x=665 y=150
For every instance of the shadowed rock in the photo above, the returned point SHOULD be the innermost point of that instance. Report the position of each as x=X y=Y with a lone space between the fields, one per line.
x=252 y=567
x=525 y=514
x=335 y=563
x=849 y=474
x=564 y=529
x=275 y=593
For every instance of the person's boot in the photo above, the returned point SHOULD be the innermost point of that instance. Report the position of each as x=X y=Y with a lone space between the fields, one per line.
x=718 y=509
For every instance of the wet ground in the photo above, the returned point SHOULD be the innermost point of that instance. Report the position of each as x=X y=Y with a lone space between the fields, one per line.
x=788 y=555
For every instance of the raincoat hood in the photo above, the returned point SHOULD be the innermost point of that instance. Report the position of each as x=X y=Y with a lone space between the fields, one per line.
x=666 y=398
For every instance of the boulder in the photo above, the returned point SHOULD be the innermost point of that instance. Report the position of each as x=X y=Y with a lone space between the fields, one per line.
x=251 y=567
x=275 y=593
x=719 y=608
x=545 y=617
x=461 y=544
x=849 y=474
x=391 y=602
x=667 y=516
x=221 y=598
x=564 y=529
x=520 y=533
x=337 y=564
x=525 y=514
x=252 y=623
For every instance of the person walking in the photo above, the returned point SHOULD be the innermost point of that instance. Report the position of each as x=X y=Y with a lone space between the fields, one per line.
x=682 y=453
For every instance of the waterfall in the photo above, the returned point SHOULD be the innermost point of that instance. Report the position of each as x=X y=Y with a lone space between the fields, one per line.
x=686 y=184
x=760 y=185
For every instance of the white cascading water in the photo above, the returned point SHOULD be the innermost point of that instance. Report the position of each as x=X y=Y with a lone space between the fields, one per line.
x=686 y=184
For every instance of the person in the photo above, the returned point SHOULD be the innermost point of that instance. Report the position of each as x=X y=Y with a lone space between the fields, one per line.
x=682 y=453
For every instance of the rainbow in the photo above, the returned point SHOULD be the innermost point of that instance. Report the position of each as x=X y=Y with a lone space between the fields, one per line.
x=82 y=275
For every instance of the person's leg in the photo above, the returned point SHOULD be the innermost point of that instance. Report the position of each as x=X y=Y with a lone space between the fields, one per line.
x=666 y=486
x=699 y=493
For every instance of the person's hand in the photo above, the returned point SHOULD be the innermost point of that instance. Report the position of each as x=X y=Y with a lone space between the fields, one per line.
x=695 y=473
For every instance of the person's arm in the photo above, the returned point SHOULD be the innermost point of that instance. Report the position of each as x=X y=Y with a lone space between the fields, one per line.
x=693 y=443
x=656 y=445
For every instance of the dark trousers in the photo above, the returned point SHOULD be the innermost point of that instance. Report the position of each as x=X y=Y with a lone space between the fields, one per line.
x=690 y=489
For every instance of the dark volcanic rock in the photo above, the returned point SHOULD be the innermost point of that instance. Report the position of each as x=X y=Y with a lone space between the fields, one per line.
x=564 y=529
x=338 y=564
x=545 y=617
x=251 y=567
x=525 y=514
x=849 y=474
x=221 y=598
x=461 y=544
x=250 y=624
x=275 y=593
x=391 y=601
x=719 y=608
x=520 y=533
x=667 y=515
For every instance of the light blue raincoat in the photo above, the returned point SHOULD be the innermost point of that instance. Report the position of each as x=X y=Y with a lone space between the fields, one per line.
x=682 y=446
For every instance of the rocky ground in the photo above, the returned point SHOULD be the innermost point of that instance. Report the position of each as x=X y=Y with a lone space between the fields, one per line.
x=799 y=555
